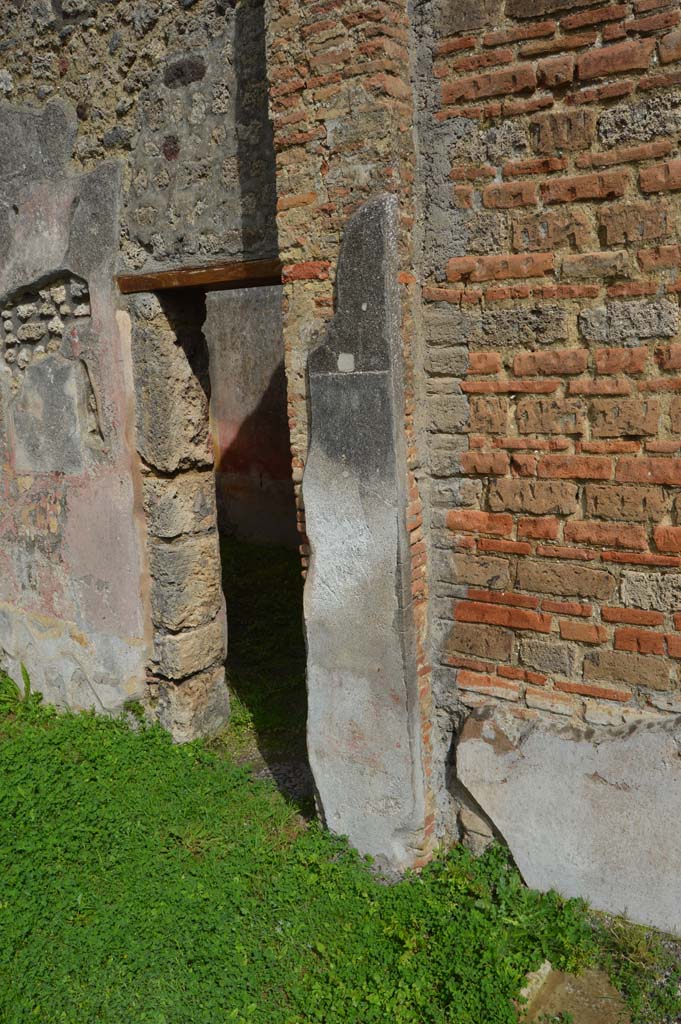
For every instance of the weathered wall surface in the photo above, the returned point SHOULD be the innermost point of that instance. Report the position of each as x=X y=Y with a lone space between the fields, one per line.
x=169 y=133
x=534 y=152
x=363 y=720
x=177 y=92
x=549 y=136
x=598 y=842
x=342 y=106
x=72 y=562
x=248 y=413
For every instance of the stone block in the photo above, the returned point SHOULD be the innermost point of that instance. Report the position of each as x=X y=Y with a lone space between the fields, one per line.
x=470 y=821
x=186 y=586
x=583 y=807
x=553 y=658
x=480 y=571
x=180 y=655
x=447 y=362
x=449 y=414
x=448 y=325
x=476 y=843
x=553 y=577
x=196 y=707
x=627 y=667
x=622 y=322
x=480 y=641
x=467 y=15
x=444 y=459
x=172 y=406
x=542 y=325
x=488 y=231
x=657 y=116
x=659 y=592
x=363 y=722
x=179 y=505
x=504 y=140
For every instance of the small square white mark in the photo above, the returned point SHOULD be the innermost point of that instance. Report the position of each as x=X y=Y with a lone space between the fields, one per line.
x=346 y=362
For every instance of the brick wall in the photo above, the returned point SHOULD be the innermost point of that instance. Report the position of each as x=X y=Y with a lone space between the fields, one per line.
x=341 y=100
x=549 y=135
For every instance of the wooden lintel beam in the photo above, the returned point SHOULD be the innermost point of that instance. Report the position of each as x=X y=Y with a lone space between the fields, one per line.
x=246 y=274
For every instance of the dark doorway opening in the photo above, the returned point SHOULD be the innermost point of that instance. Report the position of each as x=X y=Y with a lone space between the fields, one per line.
x=262 y=579
x=266 y=663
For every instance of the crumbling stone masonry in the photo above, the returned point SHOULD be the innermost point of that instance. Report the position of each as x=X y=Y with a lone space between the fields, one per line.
x=476 y=207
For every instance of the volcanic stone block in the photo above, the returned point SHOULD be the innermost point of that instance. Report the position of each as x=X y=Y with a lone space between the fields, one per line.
x=480 y=641
x=660 y=592
x=186 y=589
x=198 y=706
x=467 y=15
x=179 y=505
x=172 y=407
x=479 y=571
x=179 y=655
x=554 y=658
x=583 y=808
x=654 y=117
x=545 y=577
x=49 y=419
x=363 y=723
x=622 y=322
x=627 y=667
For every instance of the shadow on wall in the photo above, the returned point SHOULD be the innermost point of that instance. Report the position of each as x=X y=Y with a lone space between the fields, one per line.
x=185 y=309
x=257 y=518
x=233 y=363
x=262 y=579
x=232 y=342
x=254 y=488
x=255 y=134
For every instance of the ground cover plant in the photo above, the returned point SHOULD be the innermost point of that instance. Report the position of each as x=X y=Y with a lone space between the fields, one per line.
x=161 y=884
x=145 y=882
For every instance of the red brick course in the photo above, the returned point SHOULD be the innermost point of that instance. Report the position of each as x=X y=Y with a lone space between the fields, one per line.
x=590 y=418
x=550 y=323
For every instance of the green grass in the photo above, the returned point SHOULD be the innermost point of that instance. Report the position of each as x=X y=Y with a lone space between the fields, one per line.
x=148 y=883
x=644 y=965
x=140 y=881
x=266 y=664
